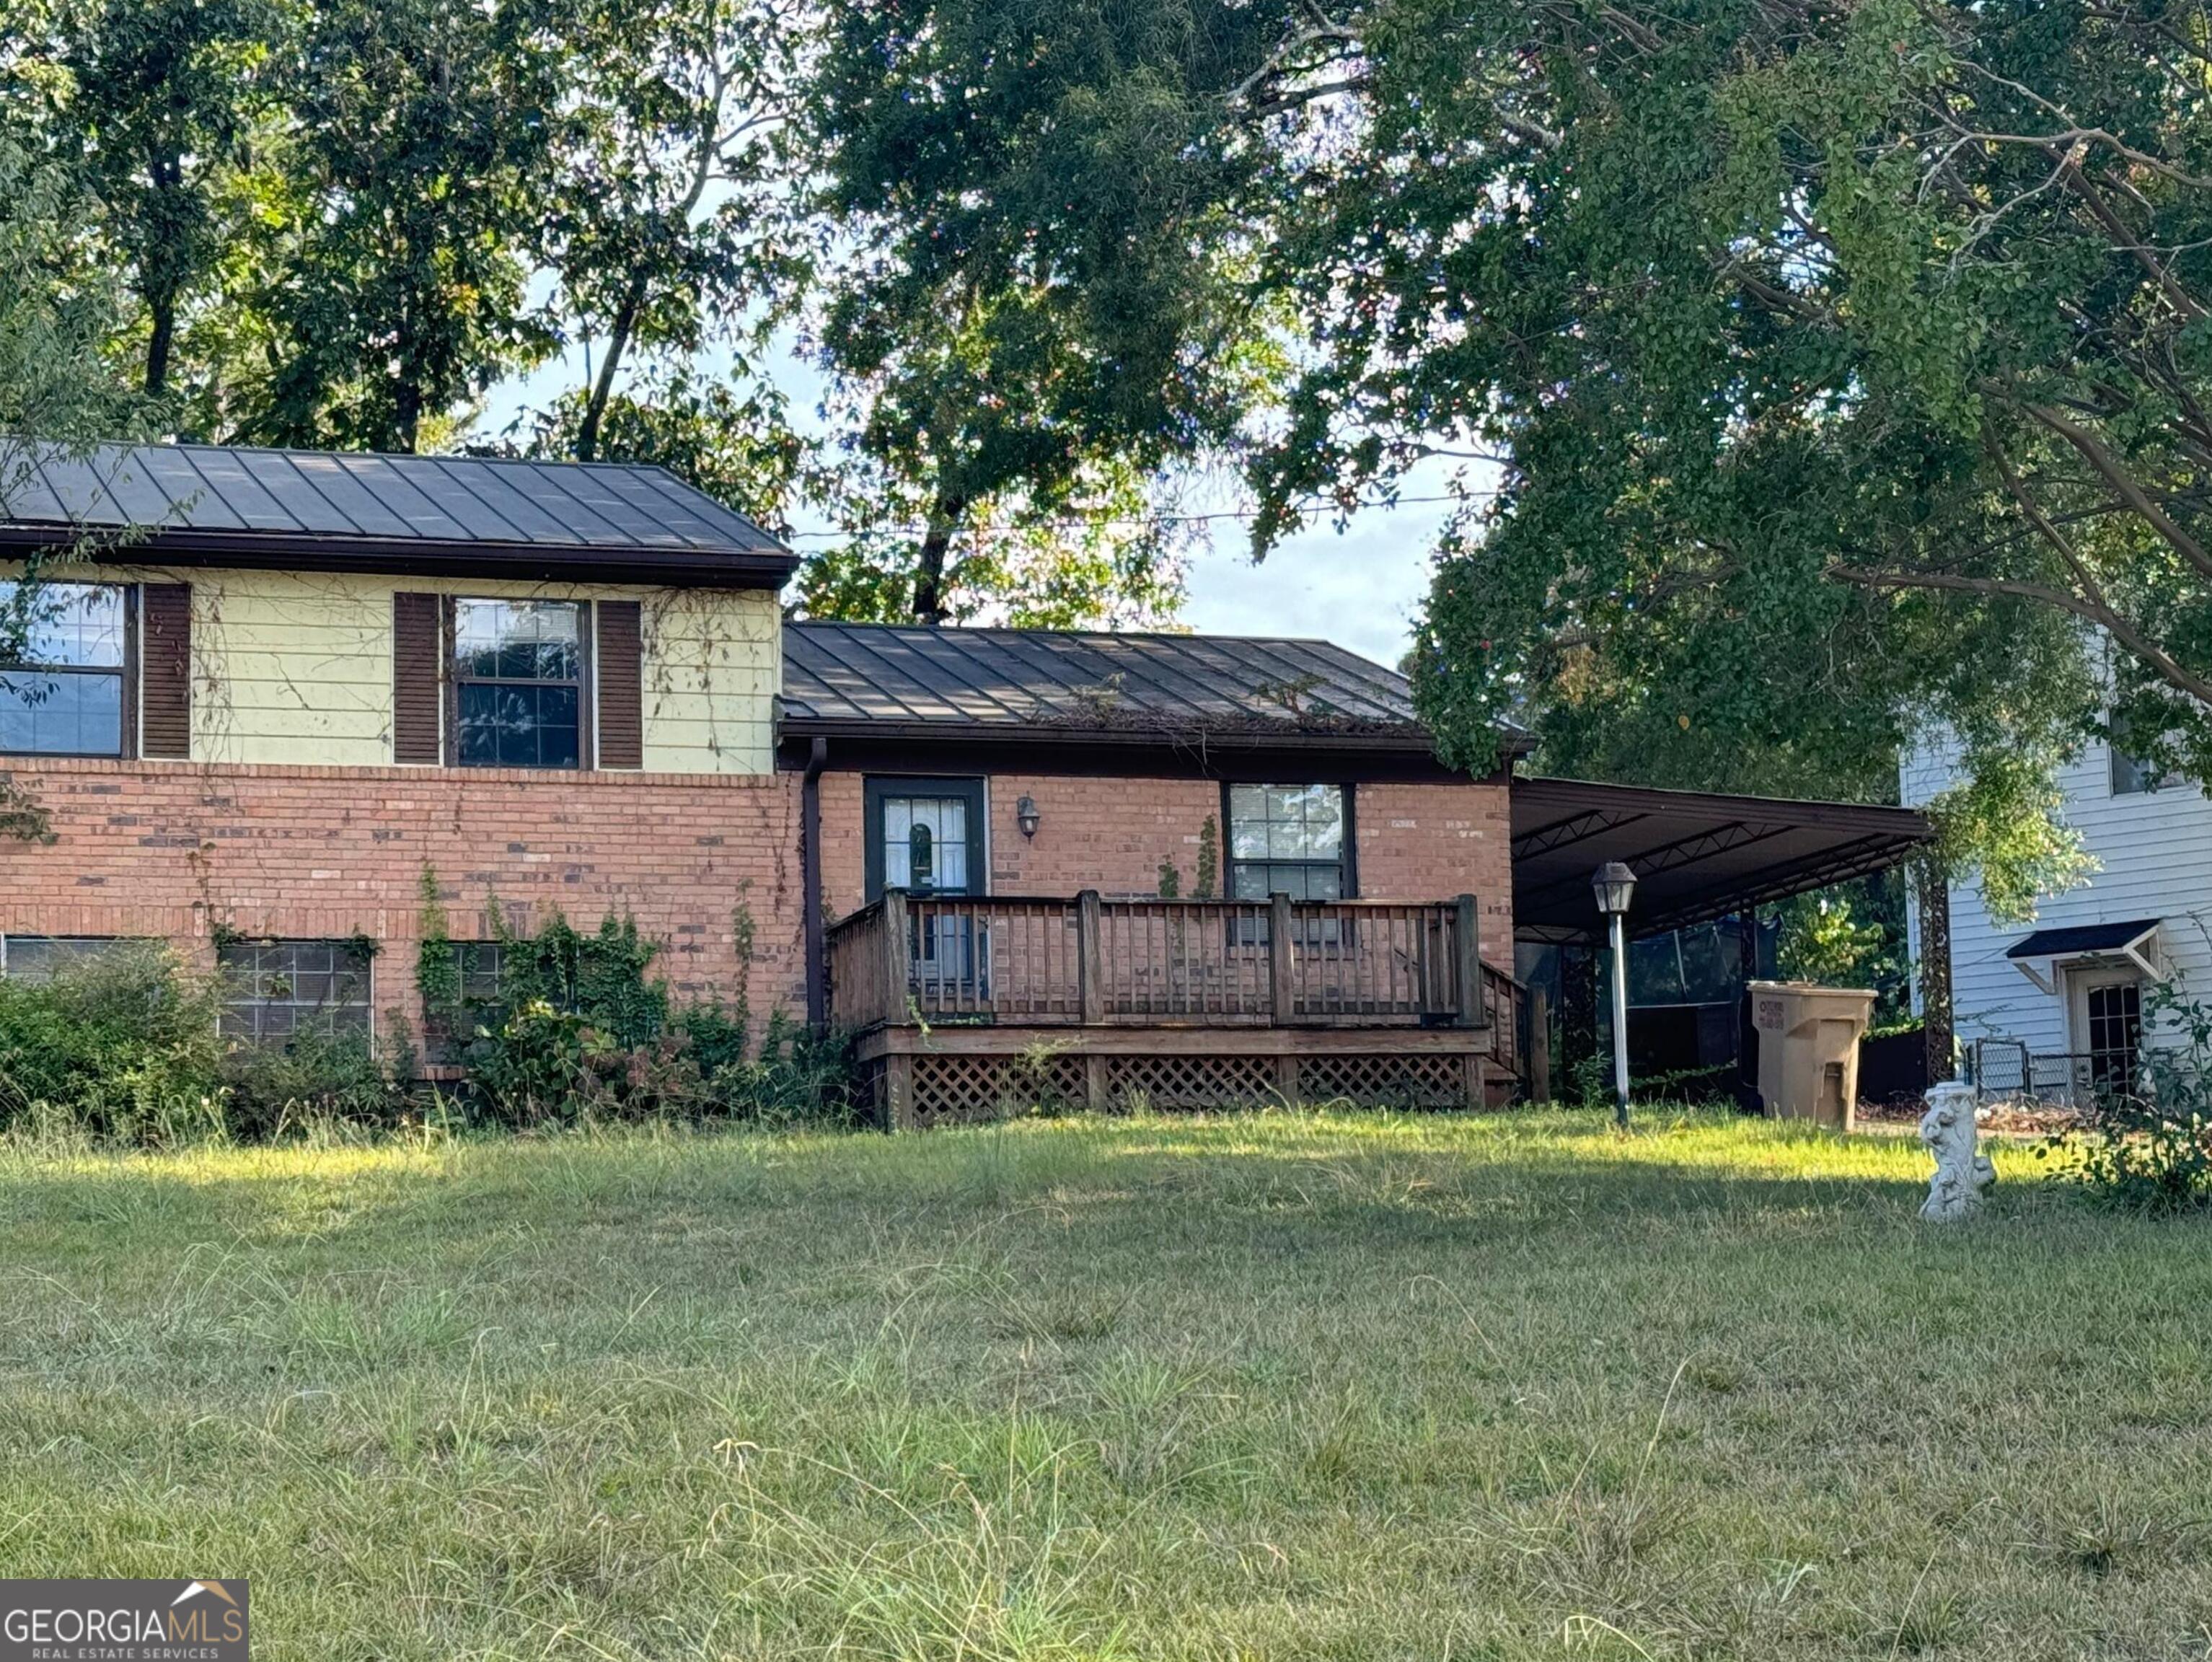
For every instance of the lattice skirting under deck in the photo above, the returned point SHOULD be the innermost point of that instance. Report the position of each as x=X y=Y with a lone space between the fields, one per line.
x=957 y=1089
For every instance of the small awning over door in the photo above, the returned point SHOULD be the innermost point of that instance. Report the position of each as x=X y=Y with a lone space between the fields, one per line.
x=2038 y=954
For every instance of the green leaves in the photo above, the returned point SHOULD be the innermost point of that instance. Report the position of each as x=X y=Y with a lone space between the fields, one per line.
x=1036 y=304
x=1848 y=366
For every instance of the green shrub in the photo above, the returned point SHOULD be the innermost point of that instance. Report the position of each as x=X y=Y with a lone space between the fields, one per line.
x=799 y=1078
x=124 y=1047
x=316 y=1077
x=579 y=1029
x=121 y=1046
x=2150 y=1150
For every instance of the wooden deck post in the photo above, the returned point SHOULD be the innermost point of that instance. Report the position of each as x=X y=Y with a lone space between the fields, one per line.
x=1477 y=1095
x=898 y=1092
x=898 y=952
x=1539 y=1045
x=1467 y=944
x=1090 y=961
x=1091 y=994
x=1282 y=963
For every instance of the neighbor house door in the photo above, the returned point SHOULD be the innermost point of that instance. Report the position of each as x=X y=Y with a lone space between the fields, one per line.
x=2104 y=1021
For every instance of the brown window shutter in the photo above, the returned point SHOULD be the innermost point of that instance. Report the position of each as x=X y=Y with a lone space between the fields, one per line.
x=622 y=684
x=416 y=646
x=165 y=671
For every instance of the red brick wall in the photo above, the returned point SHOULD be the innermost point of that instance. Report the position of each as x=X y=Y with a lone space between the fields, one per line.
x=177 y=849
x=1431 y=842
x=1415 y=841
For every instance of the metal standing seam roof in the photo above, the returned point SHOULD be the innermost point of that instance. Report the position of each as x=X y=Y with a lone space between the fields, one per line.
x=877 y=677
x=1695 y=855
x=202 y=497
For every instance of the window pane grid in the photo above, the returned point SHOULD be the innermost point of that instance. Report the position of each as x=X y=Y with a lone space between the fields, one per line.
x=1287 y=839
x=63 y=696
x=517 y=669
x=273 y=988
x=38 y=959
x=926 y=843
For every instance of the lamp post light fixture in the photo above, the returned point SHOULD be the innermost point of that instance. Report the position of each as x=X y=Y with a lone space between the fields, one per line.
x=1614 y=886
x=1027 y=817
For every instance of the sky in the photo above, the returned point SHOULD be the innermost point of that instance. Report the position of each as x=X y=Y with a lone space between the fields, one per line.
x=1359 y=588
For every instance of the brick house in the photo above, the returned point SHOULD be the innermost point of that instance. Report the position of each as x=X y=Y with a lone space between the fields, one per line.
x=280 y=695
x=288 y=689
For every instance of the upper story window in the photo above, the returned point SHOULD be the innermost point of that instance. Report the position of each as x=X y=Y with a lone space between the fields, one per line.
x=1287 y=839
x=518 y=670
x=2128 y=774
x=65 y=695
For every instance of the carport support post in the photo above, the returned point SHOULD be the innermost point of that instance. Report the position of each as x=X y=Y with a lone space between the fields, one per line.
x=1620 y=1020
x=1934 y=968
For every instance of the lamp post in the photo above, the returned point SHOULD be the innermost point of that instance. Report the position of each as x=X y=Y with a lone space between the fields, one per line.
x=1614 y=884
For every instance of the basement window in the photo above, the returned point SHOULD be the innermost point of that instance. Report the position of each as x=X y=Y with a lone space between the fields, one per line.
x=275 y=988
x=36 y=959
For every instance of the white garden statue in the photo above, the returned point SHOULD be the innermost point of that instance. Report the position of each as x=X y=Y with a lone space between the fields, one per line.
x=1947 y=1131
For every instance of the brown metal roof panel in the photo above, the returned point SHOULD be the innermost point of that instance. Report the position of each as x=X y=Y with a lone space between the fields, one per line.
x=479 y=521
x=602 y=489
x=138 y=497
x=493 y=487
x=584 y=508
x=689 y=518
x=909 y=681
x=193 y=502
x=973 y=675
x=226 y=478
x=66 y=487
x=368 y=513
x=401 y=497
x=1135 y=672
x=719 y=524
x=824 y=648
x=312 y=510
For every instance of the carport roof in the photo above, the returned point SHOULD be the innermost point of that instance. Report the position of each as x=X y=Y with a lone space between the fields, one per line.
x=1695 y=855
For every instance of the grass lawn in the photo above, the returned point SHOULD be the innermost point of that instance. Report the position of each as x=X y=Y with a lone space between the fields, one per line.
x=1278 y=1387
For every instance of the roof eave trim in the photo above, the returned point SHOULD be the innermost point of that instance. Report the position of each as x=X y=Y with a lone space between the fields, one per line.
x=984 y=732
x=262 y=550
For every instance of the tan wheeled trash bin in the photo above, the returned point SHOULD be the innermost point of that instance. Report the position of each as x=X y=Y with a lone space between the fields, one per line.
x=1809 y=1049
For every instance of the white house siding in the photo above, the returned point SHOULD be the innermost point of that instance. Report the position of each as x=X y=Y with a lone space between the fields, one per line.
x=2154 y=853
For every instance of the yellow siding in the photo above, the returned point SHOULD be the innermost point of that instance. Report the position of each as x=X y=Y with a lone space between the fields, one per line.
x=296 y=667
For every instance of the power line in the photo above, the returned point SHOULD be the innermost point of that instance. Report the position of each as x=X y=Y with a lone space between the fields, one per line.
x=1079 y=522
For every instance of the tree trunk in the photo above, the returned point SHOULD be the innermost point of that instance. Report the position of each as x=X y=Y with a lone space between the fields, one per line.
x=936 y=545
x=595 y=406
x=162 y=308
x=1935 y=967
x=160 y=282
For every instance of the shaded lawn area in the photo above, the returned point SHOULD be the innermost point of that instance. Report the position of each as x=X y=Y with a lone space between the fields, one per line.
x=1272 y=1386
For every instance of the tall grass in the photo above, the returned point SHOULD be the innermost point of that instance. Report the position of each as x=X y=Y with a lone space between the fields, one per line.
x=1281 y=1386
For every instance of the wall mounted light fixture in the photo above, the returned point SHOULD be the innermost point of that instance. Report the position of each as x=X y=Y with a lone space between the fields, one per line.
x=1027 y=817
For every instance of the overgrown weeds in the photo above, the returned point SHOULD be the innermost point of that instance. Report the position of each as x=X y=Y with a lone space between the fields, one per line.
x=2147 y=1146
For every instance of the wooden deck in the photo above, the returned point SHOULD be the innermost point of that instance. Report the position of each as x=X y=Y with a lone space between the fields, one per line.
x=963 y=1004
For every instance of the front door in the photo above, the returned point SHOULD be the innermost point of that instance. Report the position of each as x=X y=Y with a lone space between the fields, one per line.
x=926 y=836
x=2106 y=1014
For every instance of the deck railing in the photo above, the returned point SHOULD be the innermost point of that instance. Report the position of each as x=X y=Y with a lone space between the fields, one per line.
x=1085 y=961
